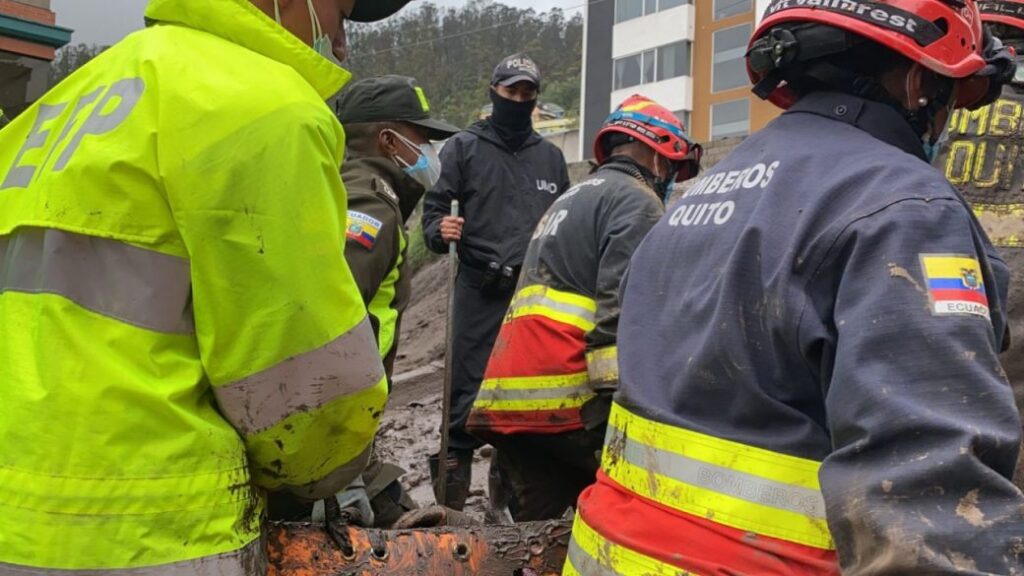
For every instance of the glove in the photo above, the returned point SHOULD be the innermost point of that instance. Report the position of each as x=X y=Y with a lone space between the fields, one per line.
x=434 y=517
x=353 y=501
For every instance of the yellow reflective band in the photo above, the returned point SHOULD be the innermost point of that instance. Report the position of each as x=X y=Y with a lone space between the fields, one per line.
x=737 y=485
x=603 y=365
x=536 y=382
x=564 y=307
x=423 y=99
x=590 y=554
x=505 y=405
x=1003 y=223
x=534 y=393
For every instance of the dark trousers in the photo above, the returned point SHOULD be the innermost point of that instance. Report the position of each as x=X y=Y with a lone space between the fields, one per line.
x=548 y=472
x=476 y=321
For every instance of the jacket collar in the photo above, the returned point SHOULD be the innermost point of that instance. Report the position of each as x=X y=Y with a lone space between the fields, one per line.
x=878 y=120
x=405 y=193
x=630 y=167
x=241 y=23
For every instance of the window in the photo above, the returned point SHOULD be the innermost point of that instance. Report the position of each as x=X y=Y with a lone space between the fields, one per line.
x=673 y=60
x=730 y=118
x=634 y=70
x=726 y=8
x=729 y=69
x=662 y=63
x=630 y=9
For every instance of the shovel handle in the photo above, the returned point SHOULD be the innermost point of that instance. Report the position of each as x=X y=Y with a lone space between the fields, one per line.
x=446 y=417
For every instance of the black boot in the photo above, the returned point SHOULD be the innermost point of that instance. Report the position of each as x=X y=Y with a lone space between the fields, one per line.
x=459 y=476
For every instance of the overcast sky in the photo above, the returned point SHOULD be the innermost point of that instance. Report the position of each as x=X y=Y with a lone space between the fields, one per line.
x=107 y=21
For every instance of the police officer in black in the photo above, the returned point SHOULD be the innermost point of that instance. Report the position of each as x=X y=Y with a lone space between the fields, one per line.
x=505 y=176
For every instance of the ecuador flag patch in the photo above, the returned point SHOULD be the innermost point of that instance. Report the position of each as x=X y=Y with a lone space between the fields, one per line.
x=955 y=284
x=363 y=229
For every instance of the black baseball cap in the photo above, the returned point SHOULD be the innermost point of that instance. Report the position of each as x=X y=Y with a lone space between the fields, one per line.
x=516 y=68
x=374 y=10
x=390 y=98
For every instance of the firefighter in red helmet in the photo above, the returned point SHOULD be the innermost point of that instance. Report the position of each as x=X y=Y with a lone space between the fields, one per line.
x=809 y=338
x=547 y=390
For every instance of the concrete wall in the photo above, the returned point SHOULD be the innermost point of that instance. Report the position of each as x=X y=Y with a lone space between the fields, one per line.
x=568 y=141
x=714 y=152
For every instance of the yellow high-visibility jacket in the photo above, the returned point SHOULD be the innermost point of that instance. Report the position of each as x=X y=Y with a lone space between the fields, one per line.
x=178 y=325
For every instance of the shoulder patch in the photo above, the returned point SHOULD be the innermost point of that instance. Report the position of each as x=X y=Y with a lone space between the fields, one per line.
x=955 y=285
x=386 y=189
x=363 y=229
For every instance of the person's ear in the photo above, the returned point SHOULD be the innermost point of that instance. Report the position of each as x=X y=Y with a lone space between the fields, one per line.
x=915 y=88
x=388 y=143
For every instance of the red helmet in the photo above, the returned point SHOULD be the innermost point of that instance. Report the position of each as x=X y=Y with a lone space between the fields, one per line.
x=944 y=36
x=647 y=121
x=1008 y=12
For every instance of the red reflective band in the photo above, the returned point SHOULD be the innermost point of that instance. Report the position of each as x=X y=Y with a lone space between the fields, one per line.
x=536 y=346
x=692 y=543
x=525 y=422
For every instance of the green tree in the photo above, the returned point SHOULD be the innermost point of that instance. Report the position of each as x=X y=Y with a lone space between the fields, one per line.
x=453 y=51
x=71 y=58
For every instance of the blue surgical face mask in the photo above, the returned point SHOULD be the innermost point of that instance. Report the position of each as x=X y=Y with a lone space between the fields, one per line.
x=663 y=185
x=427 y=169
x=933 y=147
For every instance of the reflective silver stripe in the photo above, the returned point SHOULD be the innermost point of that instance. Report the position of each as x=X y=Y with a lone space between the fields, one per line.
x=748 y=487
x=248 y=561
x=335 y=481
x=347 y=365
x=603 y=366
x=140 y=287
x=533 y=393
x=542 y=299
x=586 y=564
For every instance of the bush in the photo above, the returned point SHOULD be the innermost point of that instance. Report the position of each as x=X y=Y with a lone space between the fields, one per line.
x=419 y=256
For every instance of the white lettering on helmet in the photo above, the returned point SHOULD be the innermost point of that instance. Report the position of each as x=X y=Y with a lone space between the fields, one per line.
x=871 y=10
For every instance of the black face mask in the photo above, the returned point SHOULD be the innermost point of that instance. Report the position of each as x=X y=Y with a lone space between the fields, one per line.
x=513 y=121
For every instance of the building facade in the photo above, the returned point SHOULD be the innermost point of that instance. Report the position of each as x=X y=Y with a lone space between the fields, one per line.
x=688 y=55
x=29 y=38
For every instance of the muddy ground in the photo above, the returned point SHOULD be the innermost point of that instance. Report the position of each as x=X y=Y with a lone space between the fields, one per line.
x=409 y=428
